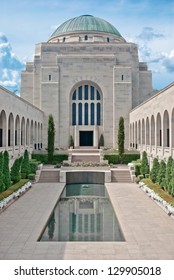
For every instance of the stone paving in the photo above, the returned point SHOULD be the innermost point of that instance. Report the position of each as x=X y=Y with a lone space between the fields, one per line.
x=149 y=232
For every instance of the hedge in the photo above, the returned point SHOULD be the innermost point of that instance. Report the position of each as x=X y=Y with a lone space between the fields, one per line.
x=126 y=158
x=13 y=188
x=57 y=158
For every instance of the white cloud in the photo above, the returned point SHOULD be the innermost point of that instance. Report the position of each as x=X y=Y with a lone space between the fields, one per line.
x=149 y=34
x=10 y=66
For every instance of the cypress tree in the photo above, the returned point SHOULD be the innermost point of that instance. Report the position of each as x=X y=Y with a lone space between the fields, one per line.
x=25 y=167
x=144 y=165
x=51 y=136
x=15 y=171
x=1 y=172
x=6 y=171
x=101 y=141
x=171 y=184
x=161 y=174
x=71 y=141
x=154 y=170
x=121 y=137
x=168 y=175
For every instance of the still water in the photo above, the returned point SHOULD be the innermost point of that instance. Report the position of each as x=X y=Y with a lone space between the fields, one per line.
x=83 y=213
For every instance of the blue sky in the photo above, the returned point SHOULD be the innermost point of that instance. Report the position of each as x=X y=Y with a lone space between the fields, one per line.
x=149 y=23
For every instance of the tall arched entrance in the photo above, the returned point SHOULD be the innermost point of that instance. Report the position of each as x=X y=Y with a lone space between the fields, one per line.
x=86 y=113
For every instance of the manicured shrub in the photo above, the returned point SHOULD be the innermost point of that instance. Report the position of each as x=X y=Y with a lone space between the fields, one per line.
x=137 y=169
x=43 y=158
x=154 y=170
x=168 y=175
x=171 y=184
x=18 y=185
x=33 y=166
x=59 y=158
x=51 y=136
x=6 y=171
x=161 y=174
x=25 y=167
x=126 y=158
x=31 y=177
x=121 y=137
x=144 y=164
x=71 y=142
x=15 y=171
x=101 y=141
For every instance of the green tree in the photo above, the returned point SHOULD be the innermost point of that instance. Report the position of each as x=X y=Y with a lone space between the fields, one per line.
x=71 y=141
x=154 y=170
x=1 y=172
x=15 y=171
x=121 y=137
x=161 y=174
x=101 y=141
x=168 y=175
x=144 y=165
x=25 y=166
x=6 y=171
x=171 y=184
x=51 y=136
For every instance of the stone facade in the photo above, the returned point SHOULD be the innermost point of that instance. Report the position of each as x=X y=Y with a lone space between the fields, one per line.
x=152 y=125
x=86 y=61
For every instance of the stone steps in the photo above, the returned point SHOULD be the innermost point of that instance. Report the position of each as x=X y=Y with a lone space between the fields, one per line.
x=121 y=176
x=49 y=176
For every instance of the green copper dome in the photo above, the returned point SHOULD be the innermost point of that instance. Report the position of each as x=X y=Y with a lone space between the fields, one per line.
x=85 y=23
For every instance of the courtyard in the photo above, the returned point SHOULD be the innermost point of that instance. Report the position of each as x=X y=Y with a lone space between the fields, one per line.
x=148 y=230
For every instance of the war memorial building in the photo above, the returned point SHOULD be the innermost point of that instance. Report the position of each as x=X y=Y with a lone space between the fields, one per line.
x=86 y=75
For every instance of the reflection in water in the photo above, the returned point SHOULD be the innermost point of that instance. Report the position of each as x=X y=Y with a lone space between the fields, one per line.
x=83 y=213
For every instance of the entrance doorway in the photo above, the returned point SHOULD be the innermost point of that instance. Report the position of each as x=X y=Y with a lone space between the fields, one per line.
x=86 y=138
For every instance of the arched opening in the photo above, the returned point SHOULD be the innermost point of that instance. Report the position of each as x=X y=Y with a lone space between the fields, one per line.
x=27 y=132
x=38 y=136
x=23 y=131
x=147 y=132
x=158 y=130
x=11 y=130
x=31 y=133
x=35 y=136
x=166 y=132
x=17 y=131
x=133 y=135
x=86 y=105
x=139 y=132
x=136 y=137
x=172 y=128
x=152 y=130
x=143 y=132
x=3 y=121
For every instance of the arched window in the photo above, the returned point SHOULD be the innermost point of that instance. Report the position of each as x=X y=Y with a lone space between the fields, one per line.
x=98 y=113
x=74 y=114
x=86 y=37
x=92 y=114
x=74 y=95
x=80 y=114
x=86 y=105
x=86 y=113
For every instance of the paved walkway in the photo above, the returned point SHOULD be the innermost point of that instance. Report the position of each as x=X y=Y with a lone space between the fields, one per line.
x=148 y=231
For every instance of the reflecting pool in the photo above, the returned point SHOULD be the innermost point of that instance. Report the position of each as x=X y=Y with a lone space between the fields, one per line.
x=83 y=213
